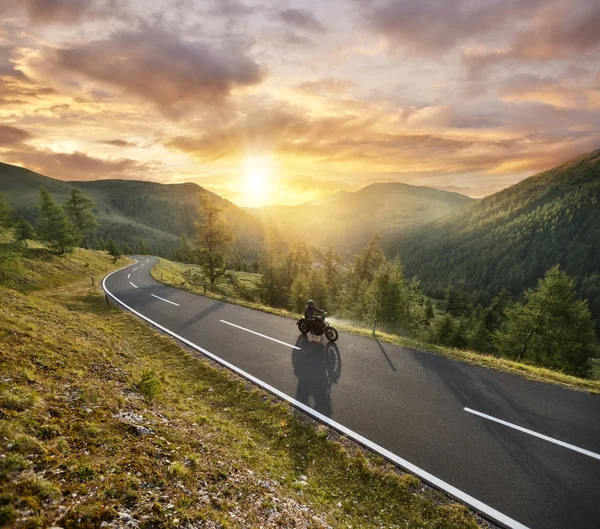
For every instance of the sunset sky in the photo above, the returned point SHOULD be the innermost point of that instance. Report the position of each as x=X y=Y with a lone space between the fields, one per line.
x=282 y=102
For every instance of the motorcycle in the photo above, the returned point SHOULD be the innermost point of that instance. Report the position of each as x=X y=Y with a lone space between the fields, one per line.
x=318 y=326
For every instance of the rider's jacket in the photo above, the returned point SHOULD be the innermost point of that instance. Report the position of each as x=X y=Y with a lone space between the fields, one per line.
x=309 y=312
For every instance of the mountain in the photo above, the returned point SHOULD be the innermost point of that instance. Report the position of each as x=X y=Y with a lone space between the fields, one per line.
x=347 y=220
x=509 y=239
x=129 y=210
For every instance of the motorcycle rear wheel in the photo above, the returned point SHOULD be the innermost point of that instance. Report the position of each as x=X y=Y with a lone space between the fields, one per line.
x=331 y=334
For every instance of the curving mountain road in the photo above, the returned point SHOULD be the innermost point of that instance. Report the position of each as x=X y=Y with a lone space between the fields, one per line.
x=524 y=453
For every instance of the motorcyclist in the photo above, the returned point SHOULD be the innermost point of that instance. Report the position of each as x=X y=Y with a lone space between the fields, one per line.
x=310 y=311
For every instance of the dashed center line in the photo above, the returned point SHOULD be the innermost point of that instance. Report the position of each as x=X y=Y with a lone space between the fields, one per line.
x=143 y=264
x=134 y=269
x=128 y=276
x=163 y=299
x=535 y=434
x=259 y=334
x=134 y=286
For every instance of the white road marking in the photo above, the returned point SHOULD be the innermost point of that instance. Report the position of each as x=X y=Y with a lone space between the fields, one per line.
x=535 y=434
x=171 y=302
x=134 y=269
x=474 y=503
x=132 y=285
x=128 y=276
x=261 y=335
x=143 y=263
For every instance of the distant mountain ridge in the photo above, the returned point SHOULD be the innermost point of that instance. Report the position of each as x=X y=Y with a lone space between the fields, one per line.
x=347 y=220
x=129 y=210
x=511 y=238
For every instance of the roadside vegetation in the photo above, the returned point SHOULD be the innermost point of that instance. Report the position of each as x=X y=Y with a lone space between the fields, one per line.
x=104 y=420
x=189 y=278
x=547 y=335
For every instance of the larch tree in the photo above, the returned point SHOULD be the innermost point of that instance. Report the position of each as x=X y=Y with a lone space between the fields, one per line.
x=54 y=227
x=80 y=210
x=24 y=231
x=215 y=239
x=550 y=328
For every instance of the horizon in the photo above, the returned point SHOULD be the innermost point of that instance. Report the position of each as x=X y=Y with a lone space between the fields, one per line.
x=265 y=103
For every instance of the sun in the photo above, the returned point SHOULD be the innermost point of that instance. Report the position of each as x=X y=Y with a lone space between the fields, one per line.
x=257 y=178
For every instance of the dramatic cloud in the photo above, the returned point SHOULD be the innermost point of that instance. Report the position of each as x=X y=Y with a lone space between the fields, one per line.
x=51 y=11
x=172 y=73
x=301 y=19
x=10 y=135
x=556 y=32
x=77 y=165
x=465 y=95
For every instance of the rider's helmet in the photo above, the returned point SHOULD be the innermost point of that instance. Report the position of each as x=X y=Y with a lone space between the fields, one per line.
x=311 y=303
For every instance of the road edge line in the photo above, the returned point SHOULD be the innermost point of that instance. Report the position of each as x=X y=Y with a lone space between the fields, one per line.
x=475 y=504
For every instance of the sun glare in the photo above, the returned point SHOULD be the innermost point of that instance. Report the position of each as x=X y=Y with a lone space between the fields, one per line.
x=257 y=176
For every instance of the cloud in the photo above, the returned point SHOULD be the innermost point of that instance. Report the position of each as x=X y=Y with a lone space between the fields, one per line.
x=11 y=135
x=174 y=74
x=77 y=165
x=327 y=85
x=119 y=143
x=300 y=19
x=556 y=32
x=569 y=91
x=19 y=92
x=436 y=26
x=230 y=8
x=59 y=11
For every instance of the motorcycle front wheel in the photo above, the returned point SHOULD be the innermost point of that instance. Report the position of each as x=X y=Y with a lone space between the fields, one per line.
x=331 y=334
x=302 y=327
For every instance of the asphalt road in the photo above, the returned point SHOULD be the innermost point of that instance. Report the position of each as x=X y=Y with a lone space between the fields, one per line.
x=408 y=405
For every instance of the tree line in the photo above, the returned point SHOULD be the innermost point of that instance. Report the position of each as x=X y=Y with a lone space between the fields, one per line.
x=60 y=228
x=548 y=326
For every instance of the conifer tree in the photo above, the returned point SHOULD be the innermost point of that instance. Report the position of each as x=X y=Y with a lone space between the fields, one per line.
x=24 y=231
x=112 y=249
x=79 y=208
x=215 y=239
x=127 y=249
x=4 y=213
x=54 y=227
x=550 y=328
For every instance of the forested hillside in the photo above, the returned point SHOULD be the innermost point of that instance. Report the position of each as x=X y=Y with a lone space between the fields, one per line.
x=347 y=220
x=511 y=238
x=129 y=211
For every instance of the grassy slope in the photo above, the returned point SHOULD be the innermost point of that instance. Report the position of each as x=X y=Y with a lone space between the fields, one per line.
x=129 y=210
x=188 y=277
x=104 y=419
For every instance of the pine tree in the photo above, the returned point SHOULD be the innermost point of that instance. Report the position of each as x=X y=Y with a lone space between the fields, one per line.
x=79 y=208
x=112 y=249
x=458 y=300
x=368 y=261
x=127 y=249
x=24 y=231
x=143 y=248
x=185 y=252
x=215 y=239
x=4 y=213
x=550 y=328
x=429 y=313
x=393 y=301
x=270 y=265
x=54 y=227
x=443 y=330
